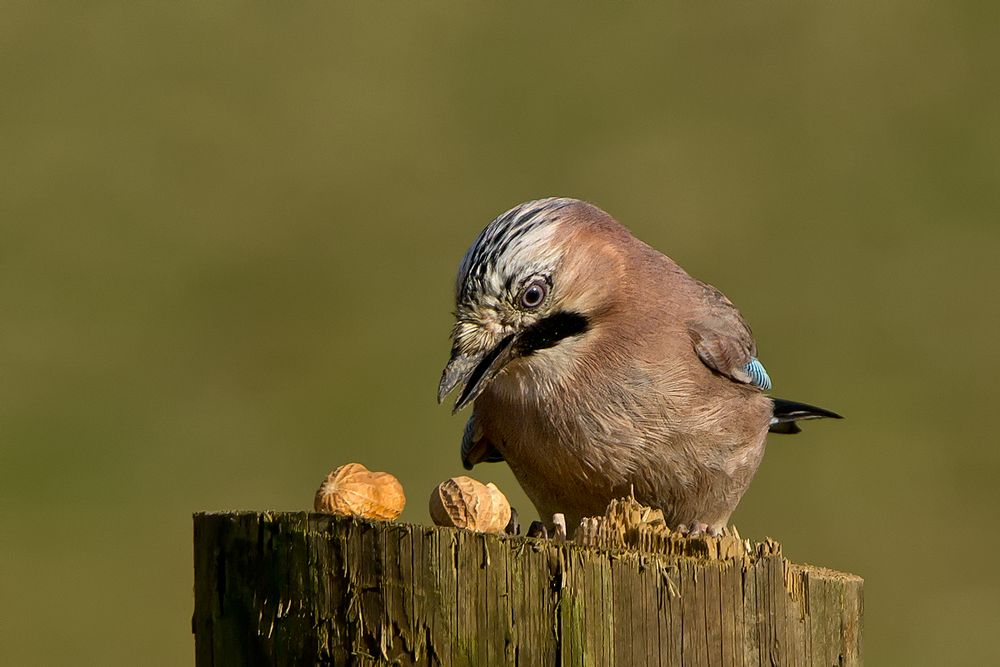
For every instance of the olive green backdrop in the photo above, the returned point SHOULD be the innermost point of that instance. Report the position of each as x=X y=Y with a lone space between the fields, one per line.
x=230 y=231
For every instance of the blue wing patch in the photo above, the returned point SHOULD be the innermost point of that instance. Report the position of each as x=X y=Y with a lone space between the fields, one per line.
x=758 y=376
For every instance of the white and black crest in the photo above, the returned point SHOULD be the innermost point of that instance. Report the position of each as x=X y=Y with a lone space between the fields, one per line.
x=514 y=244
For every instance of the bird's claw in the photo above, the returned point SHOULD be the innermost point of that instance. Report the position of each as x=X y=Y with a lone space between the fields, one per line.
x=538 y=529
x=698 y=529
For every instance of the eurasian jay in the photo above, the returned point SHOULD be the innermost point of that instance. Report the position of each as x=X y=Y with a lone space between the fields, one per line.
x=599 y=367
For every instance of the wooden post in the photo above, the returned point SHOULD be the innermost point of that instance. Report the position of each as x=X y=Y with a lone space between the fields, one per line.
x=303 y=589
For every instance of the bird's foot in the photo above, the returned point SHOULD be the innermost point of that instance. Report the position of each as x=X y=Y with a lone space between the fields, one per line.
x=538 y=529
x=559 y=525
x=513 y=526
x=698 y=529
x=558 y=533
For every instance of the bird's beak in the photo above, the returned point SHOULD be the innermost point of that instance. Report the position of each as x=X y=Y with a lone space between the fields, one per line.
x=473 y=372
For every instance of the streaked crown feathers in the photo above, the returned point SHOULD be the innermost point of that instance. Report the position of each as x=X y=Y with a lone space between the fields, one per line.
x=515 y=246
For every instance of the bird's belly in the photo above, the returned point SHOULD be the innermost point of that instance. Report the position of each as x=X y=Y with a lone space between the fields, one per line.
x=694 y=460
x=691 y=480
x=567 y=486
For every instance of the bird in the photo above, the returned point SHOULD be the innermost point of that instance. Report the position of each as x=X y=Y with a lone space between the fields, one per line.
x=598 y=368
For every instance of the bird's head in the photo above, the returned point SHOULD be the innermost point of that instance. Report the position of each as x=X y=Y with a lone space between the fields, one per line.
x=531 y=280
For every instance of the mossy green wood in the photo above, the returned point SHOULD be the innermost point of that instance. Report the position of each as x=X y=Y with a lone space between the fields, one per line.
x=298 y=589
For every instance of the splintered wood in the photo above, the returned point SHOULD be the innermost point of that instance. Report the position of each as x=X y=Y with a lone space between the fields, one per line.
x=628 y=524
x=296 y=588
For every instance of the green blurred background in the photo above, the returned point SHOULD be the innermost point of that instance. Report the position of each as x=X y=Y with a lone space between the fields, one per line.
x=230 y=232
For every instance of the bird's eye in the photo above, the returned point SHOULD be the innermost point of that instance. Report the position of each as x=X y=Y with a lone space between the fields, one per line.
x=534 y=294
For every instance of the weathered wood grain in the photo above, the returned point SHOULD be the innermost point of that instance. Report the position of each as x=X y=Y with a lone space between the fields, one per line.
x=302 y=589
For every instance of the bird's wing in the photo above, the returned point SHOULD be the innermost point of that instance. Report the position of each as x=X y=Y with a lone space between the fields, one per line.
x=476 y=447
x=724 y=342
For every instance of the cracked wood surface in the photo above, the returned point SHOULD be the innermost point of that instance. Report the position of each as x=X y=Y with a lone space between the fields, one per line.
x=300 y=589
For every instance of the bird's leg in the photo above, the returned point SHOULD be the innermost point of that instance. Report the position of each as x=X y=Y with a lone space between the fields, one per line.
x=537 y=529
x=697 y=529
x=513 y=526
x=558 y=532
x=559 y=524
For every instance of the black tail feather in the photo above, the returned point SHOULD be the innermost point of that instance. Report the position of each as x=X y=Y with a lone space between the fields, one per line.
x=786 y=413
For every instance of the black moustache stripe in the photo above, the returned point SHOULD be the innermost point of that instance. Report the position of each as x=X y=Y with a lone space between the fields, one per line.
x=548 y=331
